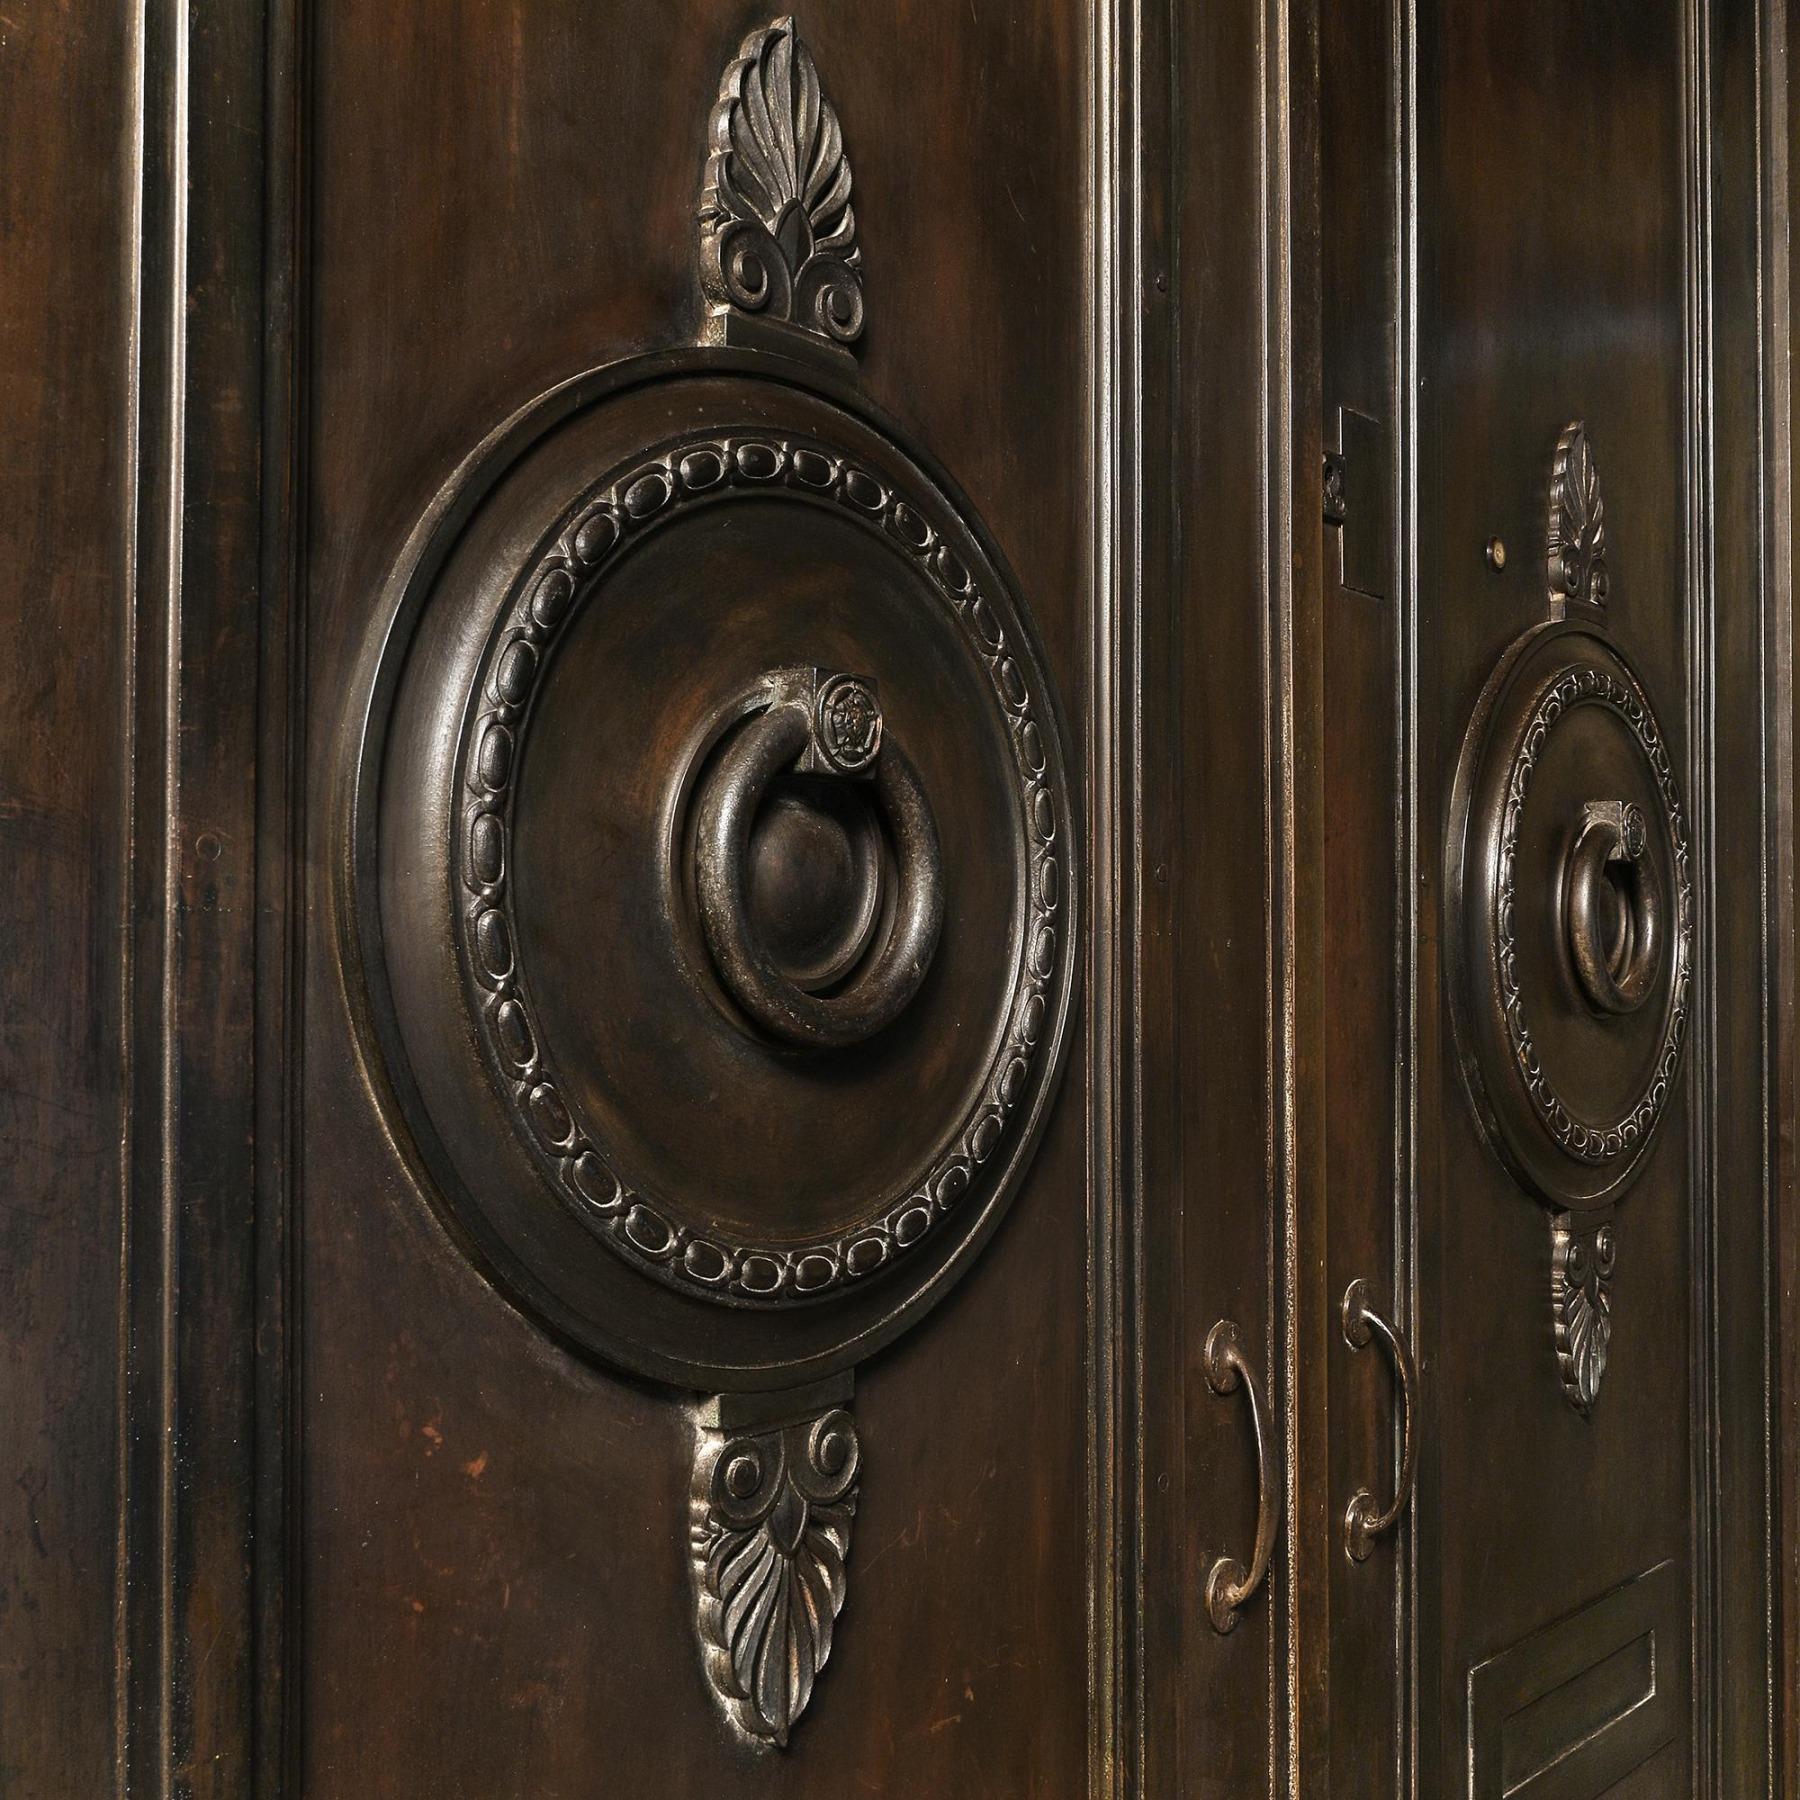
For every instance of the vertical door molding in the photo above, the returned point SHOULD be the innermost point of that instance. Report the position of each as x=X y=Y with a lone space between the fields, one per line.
x=1122 y=333
x=201 y=1506
x=1739 y=490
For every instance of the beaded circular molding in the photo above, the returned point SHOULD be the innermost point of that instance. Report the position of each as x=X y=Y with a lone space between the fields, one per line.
x=658 y=1232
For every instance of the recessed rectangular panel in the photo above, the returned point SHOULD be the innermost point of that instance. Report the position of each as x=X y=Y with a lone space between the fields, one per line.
x=1538 y=1737
x=1574 y=1708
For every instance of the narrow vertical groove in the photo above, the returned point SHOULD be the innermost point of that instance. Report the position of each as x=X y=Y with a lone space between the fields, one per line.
x=169 y=1197
x=1699 y=658
x=280 y=817
x=1130 y=680
x=1774 y=470
x=128 y=737
x=1782 y=1395
x=1781 y=1390
x=1114 y=1334
x=1764 y=1064
x=1405 y=403
x=146 y=1572
x=1279 y=724
x=1102 y=1729
x=1128 y=853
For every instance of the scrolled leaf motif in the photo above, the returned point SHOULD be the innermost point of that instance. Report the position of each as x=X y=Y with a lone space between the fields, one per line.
x=777 y=231
x=771 y=1536
x=1577 y=521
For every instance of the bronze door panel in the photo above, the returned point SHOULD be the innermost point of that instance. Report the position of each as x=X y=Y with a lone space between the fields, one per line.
x=1565 y=707
x=903 y=900
x=585 y=923
x=700 y=833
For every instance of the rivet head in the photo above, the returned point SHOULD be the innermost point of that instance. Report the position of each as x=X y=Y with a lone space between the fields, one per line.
x=1496 y=554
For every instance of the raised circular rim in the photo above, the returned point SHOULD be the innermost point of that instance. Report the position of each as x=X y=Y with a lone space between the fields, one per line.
x=869 y=1315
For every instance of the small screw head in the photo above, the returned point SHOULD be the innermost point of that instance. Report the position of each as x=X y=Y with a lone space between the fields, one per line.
x=1496 y=554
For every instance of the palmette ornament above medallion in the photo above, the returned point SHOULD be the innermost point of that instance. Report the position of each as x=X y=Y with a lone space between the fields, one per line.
x=777 y=231
x=1577 y=522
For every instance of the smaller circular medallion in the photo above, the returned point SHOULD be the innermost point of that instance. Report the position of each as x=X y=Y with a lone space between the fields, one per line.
x=1570 y=916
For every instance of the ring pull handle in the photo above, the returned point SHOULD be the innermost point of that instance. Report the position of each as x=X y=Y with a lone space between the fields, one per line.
x=1228 y=1583
x=1613 y=910
x=818 y=723
x=1364 y=1520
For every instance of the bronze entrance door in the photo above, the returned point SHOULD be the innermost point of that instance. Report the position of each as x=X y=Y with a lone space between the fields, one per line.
x=1553 y=716
x=902 y=900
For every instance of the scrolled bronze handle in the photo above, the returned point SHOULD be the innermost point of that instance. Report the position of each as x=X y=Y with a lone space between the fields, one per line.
x=823 y=724
x=1229 y=1583
x=1614 y=930
x=1364 y=1519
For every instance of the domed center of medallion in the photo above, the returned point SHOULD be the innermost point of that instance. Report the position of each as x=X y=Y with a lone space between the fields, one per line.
x=812 y=878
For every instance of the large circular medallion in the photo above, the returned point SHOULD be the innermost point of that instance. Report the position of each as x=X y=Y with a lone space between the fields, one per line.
x=714 y=870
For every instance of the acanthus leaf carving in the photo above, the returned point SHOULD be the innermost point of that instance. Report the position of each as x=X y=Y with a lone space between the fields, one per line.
x=1584 y=1253
x=777 y=230
x=773 y=1504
